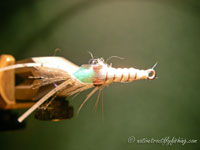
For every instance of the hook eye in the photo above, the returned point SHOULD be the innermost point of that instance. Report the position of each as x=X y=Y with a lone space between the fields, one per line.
x=151 y=74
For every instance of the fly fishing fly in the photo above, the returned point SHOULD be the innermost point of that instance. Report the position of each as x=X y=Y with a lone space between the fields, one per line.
x=69 y=79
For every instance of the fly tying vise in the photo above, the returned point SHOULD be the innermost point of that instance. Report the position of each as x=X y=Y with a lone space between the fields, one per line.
x=69 y=79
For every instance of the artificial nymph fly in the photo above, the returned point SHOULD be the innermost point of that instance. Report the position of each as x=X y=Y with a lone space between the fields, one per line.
x=69 y=79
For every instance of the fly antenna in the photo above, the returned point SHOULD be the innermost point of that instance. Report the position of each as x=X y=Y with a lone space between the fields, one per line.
x=154 y=66
x=56 y=51
x=92 y=57
x=113 y=57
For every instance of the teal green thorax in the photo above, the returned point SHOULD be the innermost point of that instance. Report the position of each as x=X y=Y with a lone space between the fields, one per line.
x=85 y=74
